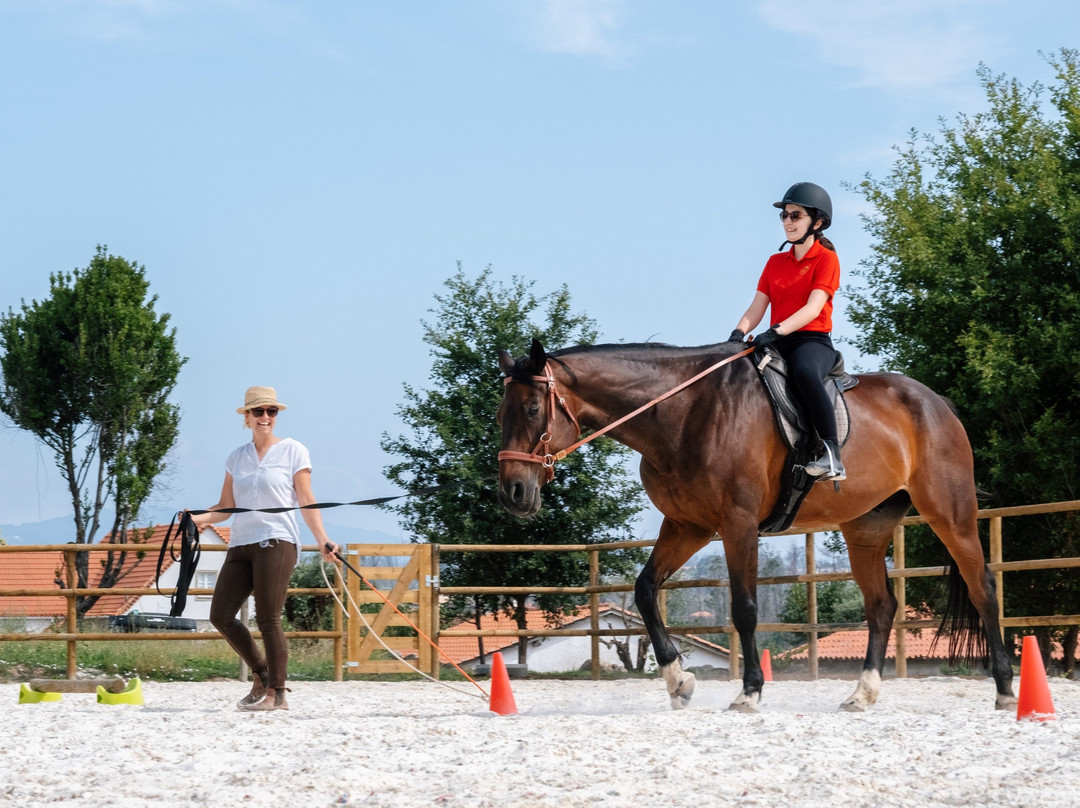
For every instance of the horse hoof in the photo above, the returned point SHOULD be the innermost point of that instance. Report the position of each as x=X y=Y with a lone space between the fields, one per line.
x=745 y=704
x=680 y=685
x=1005 y=702
x=852 y=706
x=684 y=691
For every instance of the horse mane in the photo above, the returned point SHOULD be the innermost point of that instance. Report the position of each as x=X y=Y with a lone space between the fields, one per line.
x=624 y=351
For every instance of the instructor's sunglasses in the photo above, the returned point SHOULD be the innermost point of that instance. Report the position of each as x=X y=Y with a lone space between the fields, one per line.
x=259 y=412
x=794 y=215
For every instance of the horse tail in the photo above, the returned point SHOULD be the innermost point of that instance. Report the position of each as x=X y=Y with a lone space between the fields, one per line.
x=961 y=622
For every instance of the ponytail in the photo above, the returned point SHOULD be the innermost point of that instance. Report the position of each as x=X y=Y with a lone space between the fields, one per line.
x=828 y=245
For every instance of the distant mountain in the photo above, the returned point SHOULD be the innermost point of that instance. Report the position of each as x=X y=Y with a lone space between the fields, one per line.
x=61 y=530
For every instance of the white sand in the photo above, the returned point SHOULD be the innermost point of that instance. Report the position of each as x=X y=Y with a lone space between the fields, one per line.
x=928 y=742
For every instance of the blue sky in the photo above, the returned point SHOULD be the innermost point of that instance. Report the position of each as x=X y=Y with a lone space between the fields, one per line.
x=299 y=179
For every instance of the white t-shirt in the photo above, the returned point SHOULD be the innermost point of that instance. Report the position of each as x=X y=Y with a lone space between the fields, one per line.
x=266 y=484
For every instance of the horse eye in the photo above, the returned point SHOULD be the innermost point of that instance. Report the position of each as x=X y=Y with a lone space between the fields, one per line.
x=534 y=410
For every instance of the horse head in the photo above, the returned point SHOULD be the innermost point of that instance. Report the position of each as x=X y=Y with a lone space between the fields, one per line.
x=533 y=429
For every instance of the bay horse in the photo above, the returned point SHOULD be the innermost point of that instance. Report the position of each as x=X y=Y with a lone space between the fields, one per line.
x=711 y=462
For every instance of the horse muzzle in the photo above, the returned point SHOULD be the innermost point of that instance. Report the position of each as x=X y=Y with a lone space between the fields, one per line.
x=520 y=496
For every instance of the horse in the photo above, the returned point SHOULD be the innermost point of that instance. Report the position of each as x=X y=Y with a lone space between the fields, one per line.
x=712 y=458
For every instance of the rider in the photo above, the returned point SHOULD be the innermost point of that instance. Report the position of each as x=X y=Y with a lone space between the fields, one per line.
x=799 y=284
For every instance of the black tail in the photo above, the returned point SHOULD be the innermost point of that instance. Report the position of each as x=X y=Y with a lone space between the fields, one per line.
x=962 y=623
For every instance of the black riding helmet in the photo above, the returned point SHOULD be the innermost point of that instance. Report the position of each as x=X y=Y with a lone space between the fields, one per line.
x=816 y=201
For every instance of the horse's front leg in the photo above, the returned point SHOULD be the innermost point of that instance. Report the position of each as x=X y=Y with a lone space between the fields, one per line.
x=671 y=551
x=867 y=544
x=742 y=572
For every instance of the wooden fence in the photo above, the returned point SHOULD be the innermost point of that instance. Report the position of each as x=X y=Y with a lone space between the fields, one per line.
x=593 y=591
x=811 y=628
x=72 y=635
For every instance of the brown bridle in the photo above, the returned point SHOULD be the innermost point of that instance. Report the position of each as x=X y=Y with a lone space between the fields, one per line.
x=542 y=453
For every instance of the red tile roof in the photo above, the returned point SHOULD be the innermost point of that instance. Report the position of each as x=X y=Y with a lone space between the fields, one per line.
x=46 y=570
x=461 y=649
x=852 y=645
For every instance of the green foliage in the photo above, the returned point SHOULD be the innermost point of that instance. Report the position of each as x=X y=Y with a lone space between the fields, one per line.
x=455 y=439
x=309 y=612
x=973 y=287
x=88 y=371
x=837 y=602
x=154 y=660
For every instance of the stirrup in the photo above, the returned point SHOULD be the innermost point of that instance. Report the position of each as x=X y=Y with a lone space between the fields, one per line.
x=827 y=467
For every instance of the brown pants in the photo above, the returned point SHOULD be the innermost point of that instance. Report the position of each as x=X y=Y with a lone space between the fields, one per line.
x=265 y=572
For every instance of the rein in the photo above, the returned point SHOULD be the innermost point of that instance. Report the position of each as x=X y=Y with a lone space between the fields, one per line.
x=541 y=452
x=187 y=535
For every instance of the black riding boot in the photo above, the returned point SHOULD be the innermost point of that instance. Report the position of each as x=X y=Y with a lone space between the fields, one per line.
x=828 y=466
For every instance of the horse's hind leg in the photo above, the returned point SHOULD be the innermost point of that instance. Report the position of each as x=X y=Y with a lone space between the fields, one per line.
x=673 y=548
x=967 y=554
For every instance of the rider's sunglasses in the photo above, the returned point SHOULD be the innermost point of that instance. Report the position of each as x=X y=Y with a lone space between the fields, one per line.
x=259 y=412
x=794 y=215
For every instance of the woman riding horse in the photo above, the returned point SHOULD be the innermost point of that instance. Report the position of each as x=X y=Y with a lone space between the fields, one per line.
x=799 y=285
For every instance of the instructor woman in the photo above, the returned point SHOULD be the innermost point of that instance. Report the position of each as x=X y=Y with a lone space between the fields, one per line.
x=267 y=472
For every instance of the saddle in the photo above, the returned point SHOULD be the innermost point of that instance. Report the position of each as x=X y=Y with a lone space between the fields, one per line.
x=799 y=434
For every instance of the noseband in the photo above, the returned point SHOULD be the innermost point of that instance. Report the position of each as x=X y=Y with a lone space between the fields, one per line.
x=541 y=453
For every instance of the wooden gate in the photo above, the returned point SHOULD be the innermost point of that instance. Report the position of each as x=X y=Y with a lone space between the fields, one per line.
x=411 y=588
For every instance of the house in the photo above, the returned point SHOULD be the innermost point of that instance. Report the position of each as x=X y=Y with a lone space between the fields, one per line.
x=563 y=654
x=46 y=570
x=845 y=651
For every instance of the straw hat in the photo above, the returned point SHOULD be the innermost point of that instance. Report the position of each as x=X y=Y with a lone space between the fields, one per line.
x=260 y=397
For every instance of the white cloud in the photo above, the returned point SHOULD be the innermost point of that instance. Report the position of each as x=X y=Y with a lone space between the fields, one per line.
x=911 y=45
x=578 y=27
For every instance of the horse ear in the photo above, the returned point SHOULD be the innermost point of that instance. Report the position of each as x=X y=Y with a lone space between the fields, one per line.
x=537 y=357
x=506 y=362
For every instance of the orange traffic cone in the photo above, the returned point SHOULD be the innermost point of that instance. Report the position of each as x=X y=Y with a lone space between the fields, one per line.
x=1034 y=702
x=766 y=665
x=502 y=699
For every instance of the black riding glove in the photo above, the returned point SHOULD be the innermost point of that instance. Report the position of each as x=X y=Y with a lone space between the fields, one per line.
x=738 y=335
x=766 y=338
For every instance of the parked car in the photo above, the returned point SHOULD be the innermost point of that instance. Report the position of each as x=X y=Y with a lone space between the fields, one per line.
x=136 y=621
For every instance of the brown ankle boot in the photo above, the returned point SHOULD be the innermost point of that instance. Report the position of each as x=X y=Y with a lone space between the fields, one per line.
x=273 y=700
x=258 y=690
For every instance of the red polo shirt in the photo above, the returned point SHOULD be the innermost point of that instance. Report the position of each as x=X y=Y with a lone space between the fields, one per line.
x=788 y=283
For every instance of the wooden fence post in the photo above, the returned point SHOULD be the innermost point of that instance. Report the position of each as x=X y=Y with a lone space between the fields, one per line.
x=900 y=591
x=594 y=617
x=72 y=614
x=811 y=605
x=339 y=625
x=996 y=530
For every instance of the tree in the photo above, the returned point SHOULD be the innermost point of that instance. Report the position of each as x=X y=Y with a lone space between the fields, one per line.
x=972 y=287
x=309 y=612
x=455 y=440
x=88 y=372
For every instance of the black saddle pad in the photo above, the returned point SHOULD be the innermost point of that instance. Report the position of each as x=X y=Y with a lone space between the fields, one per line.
x=802 y=440
x=791 y=417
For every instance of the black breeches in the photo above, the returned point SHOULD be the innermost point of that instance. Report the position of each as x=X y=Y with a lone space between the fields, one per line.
x=810 y=356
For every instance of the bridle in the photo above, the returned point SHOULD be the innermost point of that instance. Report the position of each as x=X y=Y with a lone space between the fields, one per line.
x=542 y=453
